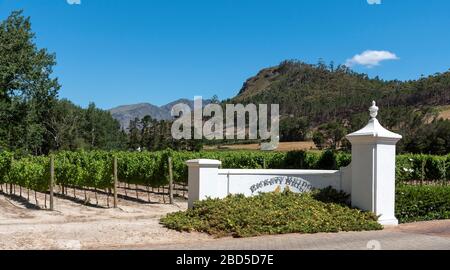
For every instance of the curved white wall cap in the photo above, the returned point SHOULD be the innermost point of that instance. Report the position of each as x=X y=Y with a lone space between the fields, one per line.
x=375 y=129
x=276 y=172
x=203 y=162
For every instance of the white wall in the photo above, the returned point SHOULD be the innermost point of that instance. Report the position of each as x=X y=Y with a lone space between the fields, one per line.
x=207 y=180
x=235 y=181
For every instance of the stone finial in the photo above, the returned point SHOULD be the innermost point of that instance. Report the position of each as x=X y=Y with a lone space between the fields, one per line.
x=373 y=110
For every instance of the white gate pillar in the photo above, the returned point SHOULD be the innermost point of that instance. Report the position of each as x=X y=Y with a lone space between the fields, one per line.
x=203 y=181
x=373 y=169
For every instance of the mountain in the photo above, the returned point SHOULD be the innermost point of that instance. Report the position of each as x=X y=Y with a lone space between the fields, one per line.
x=189 y=102
x=125 y=113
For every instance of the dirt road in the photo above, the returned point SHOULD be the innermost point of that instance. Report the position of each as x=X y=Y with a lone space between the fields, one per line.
x=77 y=226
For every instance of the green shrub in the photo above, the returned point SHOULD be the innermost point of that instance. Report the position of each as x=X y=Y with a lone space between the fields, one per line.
x=343 y=159
x=422 y=167
x=327 y=161
x=84 y=169
x=296 y=159
x=331 y=195
x=5 y=165
x=269 y=213
x=32 y=173
x=140 y=168
x=418 y=203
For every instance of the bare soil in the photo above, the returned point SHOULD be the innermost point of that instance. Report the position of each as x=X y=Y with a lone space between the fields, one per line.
x=80 y=224
x=282 y=147
x=445 y=113
x=76 y=224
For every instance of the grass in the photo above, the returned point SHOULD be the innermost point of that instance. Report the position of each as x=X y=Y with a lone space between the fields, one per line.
x=273 y=213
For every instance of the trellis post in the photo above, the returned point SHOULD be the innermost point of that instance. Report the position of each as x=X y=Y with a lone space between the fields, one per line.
x=115 y=181
x=52 y=182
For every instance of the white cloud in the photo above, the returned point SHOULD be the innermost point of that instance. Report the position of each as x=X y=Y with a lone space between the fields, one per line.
x=371 y=58
x=374 y=2
x=74 y=2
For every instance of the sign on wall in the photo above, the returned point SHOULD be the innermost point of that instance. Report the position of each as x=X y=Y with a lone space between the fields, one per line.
x=281 y=183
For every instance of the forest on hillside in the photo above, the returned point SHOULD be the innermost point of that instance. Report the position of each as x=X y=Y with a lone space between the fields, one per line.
x=324 y=103
x=317 y=102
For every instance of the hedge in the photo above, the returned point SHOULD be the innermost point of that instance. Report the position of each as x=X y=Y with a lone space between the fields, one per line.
x=422 y=167
x=324 y=210
x=422 y=202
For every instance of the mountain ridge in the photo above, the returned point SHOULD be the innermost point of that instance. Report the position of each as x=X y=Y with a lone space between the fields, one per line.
x=125 y=113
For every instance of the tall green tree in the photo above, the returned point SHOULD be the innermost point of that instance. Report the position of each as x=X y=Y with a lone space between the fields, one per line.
x=28 y=92
x=134 y=134
x=73 y=127
x=65 y=126
x=101 y=131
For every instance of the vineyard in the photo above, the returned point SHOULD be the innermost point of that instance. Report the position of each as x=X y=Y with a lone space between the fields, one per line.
x=103 y=172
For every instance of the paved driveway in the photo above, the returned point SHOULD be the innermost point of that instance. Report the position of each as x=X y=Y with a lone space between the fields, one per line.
x=414 y=236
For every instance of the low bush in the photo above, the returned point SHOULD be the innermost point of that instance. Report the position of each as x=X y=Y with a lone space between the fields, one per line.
x=270 y=213
x=331 y=195
x=419 y=203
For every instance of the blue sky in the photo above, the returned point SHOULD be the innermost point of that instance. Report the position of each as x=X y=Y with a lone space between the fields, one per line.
x=115 y=52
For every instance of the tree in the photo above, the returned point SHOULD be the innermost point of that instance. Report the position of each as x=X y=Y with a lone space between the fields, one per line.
x=65 y=126
x=432 y=138
x=215 y=99
x=27 y=91
x=148 y=132
x=319 y=140
x=134 y=136
x=337 y=133
x=293 y=129
x=330 y=135
x=73 y=127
